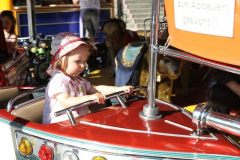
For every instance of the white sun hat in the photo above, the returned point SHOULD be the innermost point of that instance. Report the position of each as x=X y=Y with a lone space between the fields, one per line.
x=62 y=44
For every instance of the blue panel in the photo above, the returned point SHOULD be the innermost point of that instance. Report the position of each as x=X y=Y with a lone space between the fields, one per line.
x=23 y=19
x=105 y=15
x=52 y=29
x=52 y=17
x=24 y=31
x=57 y=17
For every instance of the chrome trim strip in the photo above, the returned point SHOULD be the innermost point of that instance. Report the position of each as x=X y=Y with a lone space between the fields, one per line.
x=230 y=139
x=32 y=101
x=210 y=63
x=19 y=72
x=178 y=125
x=25 y=93
x=184 y=111
x=147 y=132
x=13 y=61
x=19 y=67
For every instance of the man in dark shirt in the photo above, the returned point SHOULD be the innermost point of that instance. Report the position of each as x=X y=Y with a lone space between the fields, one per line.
x=224 y=95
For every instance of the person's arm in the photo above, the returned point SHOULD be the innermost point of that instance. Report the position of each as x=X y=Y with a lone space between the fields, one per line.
x=234 y=86
x=94 y=93
x=67 y=101
x=110 y=89
x=76 y=1
x=227 y=79
x=11 y=42
x=12 y=45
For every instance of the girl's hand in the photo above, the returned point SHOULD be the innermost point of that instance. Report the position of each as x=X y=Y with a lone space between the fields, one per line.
x=98 y=97
x=128 y=89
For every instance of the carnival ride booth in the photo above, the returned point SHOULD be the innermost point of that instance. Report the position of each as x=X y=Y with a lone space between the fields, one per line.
x=53 y=16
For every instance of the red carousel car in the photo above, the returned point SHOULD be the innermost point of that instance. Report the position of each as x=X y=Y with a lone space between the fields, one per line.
x=13 y=71
x=144 y=127
x=13 y=68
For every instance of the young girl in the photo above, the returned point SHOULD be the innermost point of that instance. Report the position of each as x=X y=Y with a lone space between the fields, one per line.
x=66 y=88
x=9 y=23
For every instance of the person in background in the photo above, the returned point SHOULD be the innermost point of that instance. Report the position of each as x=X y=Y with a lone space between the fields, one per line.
x=89 y=18
x=9 y=23
x=66 y=88
x=225 y=94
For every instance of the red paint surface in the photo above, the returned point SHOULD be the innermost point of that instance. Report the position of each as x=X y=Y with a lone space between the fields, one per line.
x=129 y=118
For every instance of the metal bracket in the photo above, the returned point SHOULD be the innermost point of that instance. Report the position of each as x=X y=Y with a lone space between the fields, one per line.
x=71 y=118
x=160 y=49
x=199 y=118
x=121 y=101
x=156 y=49
x=166 y=45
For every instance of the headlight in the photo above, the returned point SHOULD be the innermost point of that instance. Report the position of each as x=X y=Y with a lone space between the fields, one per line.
x=99 y=158
x=25 y=146
x=69 y=155
x=45 y=153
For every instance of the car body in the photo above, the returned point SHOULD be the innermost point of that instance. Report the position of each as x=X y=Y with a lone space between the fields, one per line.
x=129 y=130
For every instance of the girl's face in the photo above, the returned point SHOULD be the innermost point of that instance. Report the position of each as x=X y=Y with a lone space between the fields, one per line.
x=76 y=61
x=7 y=24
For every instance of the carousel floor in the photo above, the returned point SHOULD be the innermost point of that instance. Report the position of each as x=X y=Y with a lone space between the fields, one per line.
x=103 y=76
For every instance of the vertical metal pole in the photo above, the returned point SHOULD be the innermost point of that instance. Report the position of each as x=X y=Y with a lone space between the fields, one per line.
x=150 y=111
x=120 y=9
x=31 y=19
x=153 y=55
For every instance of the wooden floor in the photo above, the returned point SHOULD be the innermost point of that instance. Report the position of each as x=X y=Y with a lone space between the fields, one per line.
x=103 y=76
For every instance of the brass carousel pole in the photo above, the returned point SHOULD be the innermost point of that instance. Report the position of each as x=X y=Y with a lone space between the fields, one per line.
x=150 y=110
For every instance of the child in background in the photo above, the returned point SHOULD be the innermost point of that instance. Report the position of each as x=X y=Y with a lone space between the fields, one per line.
x=9 y=23
x=66 y=88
